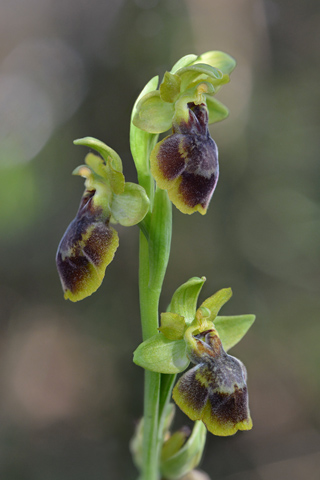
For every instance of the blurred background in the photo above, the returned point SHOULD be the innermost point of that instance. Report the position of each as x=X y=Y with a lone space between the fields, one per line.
x=70 y=395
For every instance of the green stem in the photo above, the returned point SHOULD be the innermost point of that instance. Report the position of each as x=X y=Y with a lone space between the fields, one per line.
x=154 y=256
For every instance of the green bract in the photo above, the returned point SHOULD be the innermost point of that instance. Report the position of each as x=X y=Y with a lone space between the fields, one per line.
x=89 y=243
x=167 y=351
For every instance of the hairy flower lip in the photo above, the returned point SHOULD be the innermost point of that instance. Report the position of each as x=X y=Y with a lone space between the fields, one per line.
x=86 y=248
x=215 y=389
x=185 y=163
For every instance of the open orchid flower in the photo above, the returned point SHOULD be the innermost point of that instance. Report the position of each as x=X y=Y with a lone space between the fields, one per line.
x=185 y=163
x=215 y=389
x=90 y=242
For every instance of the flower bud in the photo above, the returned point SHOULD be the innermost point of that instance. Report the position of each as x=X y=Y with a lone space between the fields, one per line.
x=181 y=454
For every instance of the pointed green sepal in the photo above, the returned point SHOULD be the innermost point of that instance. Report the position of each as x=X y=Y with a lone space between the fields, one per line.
x=184 y=62
x=185 y=298
x=172 y=325
x=159 y=354
x=215 y=302
x=131 y=206
x=187 y=457
x=153 y=114
x=170 y=87
x=217 y=111
x=232 y=329
x=220 y=60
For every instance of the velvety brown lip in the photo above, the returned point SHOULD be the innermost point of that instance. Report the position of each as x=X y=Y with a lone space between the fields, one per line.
x=191 y=155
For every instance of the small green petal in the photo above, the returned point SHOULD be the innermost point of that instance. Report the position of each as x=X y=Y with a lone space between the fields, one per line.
x=215 y=302
x=224 y=62
x=110 y=167
x=153 y=114
x=217 y=111
x=96 y=182
x=170 y=87
x=172 y=325
x=159 y=354
x=187 y=457
x=131 y=206
x=232 y=329
x=184 y=62
x=197 y=73
x=185 y=298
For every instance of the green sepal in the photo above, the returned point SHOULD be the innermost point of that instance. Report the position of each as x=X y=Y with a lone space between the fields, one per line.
x=113 y=163
x=185 y=298
x=215 y=302
x=217 y=111
x=131 y=206
x=184 y=62
x=107 y=153
x=142 y=143
x=170 y=87
x=220 y=60
x=159 y=354
x=232 y=329
x=188 y=457
x=172 y=325
x=153 y=114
